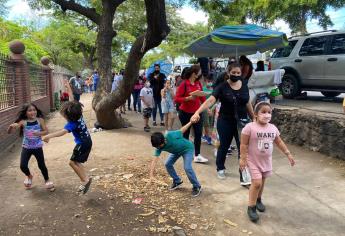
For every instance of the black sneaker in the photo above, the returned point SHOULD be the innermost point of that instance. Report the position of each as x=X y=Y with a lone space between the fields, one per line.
x=154 y=123
x=175 y=185
x=162 y=123
x=147 y=129
x=253 y=215
x=260 y=206
x=196 y=191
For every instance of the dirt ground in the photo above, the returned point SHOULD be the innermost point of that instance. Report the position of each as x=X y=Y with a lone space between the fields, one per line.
x=305 y=200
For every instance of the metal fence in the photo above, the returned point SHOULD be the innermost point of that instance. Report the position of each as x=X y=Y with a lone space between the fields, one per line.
x=38 y=82
x=7 y=83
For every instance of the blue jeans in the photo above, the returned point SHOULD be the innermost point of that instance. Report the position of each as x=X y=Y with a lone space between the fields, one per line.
x=137 y=101
x=159 y=106
x=76 y=97
x=187 y=164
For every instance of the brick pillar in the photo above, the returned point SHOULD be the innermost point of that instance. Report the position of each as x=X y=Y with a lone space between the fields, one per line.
x=49 y=78
x=22 y=80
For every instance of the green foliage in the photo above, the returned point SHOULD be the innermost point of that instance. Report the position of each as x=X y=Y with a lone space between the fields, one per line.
x=265 y=12
x=11 y=31
x=3 y=7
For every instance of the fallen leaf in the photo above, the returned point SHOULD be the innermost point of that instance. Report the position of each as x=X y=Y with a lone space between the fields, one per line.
x=147 y=214
x=127 y=176
x=230 y=223
x=193 y=226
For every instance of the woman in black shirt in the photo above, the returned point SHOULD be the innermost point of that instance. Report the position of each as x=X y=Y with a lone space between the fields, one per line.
x=234 y=98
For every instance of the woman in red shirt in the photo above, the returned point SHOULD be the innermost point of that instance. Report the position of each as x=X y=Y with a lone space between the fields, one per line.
x=189 y=104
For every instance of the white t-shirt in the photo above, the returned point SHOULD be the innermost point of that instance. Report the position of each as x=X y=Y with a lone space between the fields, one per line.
x=116 y=82
x=146 y=94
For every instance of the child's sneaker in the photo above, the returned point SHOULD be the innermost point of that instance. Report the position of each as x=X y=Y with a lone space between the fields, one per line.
x=209 y=140
x=85 y=187
x=221 y=174
x=28 y=182
x=50 y=186
x=154 y=123
x=260 y=206
x=252 y=214
x=196 y=191
x=147 y=129
x=175 y=185
x=203 y=139
x=200 y=159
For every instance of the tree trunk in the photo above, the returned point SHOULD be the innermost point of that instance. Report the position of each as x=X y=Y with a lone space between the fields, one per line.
x=105 y=103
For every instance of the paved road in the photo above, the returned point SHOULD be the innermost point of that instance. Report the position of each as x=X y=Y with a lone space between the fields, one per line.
x=317 y=102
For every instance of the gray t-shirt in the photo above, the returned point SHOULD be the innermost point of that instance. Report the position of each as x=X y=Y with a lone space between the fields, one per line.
x=147 y=95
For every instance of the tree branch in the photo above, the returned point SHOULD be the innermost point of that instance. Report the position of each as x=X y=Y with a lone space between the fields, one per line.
x=85 y=11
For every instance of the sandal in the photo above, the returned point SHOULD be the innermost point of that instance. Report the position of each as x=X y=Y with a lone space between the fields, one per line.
x=50 y=186
x=84 y=188
x=28 y=182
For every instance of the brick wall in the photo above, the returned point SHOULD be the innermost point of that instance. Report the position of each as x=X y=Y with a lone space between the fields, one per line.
x=21 y=82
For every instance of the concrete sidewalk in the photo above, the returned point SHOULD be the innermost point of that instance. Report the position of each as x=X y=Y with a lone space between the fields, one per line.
x=307 y=199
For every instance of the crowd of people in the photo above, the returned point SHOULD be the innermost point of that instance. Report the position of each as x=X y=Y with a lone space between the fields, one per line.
x=217 y=109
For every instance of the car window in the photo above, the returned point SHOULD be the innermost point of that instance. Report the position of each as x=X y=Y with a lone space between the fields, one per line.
x=314 y=46
x=338 y=44
x=286 y=51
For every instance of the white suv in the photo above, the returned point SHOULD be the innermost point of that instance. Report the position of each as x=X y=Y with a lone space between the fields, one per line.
x=312 y=62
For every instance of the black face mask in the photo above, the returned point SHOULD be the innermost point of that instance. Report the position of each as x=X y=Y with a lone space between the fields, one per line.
x=235 y=78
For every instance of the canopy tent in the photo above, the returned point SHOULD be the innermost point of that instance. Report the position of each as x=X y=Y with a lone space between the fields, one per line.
x=232 y=40
x=166 y=67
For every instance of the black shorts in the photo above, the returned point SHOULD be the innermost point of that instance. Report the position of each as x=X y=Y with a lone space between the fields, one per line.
x=81 y=152
x=147 y=112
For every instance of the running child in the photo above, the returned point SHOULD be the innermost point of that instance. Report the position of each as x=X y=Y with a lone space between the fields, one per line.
x=32 y=126
x=174 y=143
x=146 y=96
x=72 y=111
x=256 y=152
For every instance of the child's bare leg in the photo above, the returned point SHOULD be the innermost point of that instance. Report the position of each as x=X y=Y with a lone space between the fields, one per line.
x=254 y=190
x=146 y=122
x=262 y=187
x=172 y=119
x=166 y=121
x=79 y=170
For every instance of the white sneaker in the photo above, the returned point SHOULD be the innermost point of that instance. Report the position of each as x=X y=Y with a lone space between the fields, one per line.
x=221 y=174
x=200 y=159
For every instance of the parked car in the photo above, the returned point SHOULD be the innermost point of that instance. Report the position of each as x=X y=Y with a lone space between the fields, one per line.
x=312 y=62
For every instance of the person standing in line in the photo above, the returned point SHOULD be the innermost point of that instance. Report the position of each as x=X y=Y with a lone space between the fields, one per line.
x=232 y=95
x=146 y=97
x=95 y=79
x=139 y=84
x=168 y=107
x=256 y=153
x=77 y=85
x=157 y=80
x=189 y=104
x=246 y=68
x=204 y=64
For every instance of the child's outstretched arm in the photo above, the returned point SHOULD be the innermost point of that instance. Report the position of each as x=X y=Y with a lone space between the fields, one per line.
x=69 y=90
x=153 y=166
x=186 y=127
x=54 y=135
x=14 y=126
x=244 y=151
x=282 y=146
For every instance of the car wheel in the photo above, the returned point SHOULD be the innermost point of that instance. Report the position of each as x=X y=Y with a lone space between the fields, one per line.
x=290 y=86
x=330 y=94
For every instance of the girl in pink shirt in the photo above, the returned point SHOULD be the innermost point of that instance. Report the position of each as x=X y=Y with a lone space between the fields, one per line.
x=256 y=153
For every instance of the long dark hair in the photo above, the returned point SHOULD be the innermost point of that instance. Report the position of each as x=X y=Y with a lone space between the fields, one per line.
x=22 y=114
x=193 y=69
x=230 y=67
x=184 y=72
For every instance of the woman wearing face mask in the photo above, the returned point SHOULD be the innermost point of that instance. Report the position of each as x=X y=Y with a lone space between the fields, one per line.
x=189 y=104
x=232 y=96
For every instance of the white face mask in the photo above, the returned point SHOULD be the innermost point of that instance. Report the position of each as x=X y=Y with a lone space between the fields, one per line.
x=265 y=118
x=147 y=84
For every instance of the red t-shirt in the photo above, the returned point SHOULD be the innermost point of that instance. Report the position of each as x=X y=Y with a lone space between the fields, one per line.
x=184 y=91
